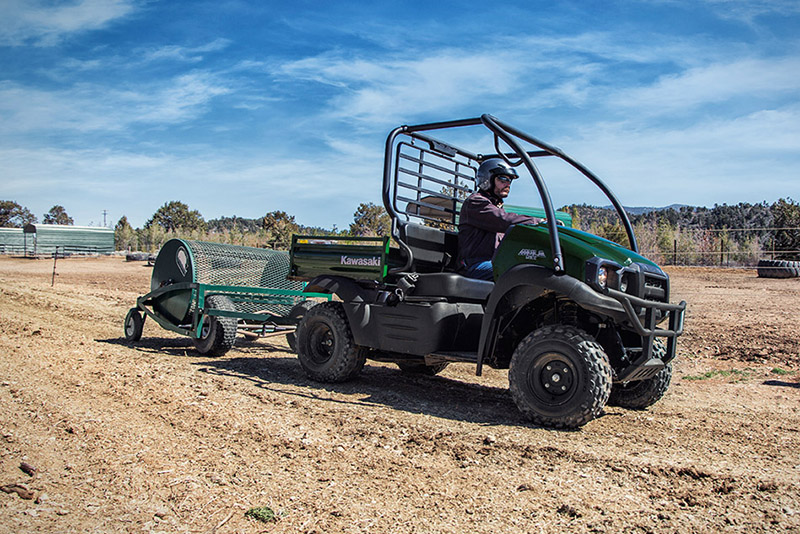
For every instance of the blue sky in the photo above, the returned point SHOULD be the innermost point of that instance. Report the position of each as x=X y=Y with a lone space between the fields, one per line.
x=242 y=108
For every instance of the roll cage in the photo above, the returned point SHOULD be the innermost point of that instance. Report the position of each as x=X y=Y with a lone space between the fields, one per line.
x=425 y=178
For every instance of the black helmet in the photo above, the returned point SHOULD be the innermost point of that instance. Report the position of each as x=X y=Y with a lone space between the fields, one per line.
x=491 y=168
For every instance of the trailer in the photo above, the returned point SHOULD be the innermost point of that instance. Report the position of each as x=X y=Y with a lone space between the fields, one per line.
x=211 y=292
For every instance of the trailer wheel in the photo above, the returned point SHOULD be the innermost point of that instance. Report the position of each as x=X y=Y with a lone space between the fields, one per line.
x=640 y=394
x=325 y=345
x=296 y=314
x=560 y=377
x=219 y=333
x=134 y=325
x=422 y=368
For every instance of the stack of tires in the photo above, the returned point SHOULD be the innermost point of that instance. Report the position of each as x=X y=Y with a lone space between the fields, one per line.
x=778 y=269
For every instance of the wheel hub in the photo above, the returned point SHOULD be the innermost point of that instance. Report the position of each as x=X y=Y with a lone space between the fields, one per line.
x=322 y=344
x=557 y=378
x=553 y=378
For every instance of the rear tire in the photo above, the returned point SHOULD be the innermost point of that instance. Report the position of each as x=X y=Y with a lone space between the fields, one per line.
x=296 y=315
x=325 y=345
x=134 y=325
x=640 y=394
x=560 y=377
x=219 y=333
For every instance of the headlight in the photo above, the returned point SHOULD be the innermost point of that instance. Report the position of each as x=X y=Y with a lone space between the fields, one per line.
x=623 y=284
x=602 y=274
x=602 y=277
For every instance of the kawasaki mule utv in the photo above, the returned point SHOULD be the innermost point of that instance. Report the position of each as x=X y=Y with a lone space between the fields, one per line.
x=573 y=317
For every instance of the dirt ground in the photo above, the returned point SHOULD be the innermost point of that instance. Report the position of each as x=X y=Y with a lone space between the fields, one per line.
x=153 y=438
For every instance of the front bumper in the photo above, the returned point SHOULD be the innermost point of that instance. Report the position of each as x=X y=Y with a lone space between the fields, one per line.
x=644 y=322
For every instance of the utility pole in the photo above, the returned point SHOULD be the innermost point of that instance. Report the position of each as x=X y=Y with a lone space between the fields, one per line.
x=104 y=218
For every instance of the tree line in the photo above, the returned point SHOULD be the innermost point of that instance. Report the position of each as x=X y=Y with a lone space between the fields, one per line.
x=12 y=215
x=733 y=234
x=274 y=230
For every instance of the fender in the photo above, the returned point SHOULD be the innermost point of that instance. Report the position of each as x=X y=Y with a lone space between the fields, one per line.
x=355 y=300
x=526 y=282
x=344 y=288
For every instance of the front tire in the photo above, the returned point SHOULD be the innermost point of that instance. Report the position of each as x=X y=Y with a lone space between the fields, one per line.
x=219 y=333
x=325 y=345
x=560 y=377
x=640 y=394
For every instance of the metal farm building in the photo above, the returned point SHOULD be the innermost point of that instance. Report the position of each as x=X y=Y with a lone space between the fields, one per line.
x=12 y=241
x=46 y=238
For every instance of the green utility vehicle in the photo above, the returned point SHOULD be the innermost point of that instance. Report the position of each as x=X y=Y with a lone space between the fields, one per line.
x=574 y=317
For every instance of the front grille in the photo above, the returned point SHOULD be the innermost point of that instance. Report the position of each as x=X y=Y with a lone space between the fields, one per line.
x=655 y=288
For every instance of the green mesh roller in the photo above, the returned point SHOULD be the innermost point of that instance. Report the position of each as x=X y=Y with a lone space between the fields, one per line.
x=221 y=265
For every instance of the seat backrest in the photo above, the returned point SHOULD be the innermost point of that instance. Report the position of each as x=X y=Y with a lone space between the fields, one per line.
x=433 y=249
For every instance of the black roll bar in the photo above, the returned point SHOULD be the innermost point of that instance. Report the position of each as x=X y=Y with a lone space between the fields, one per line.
x=510 y=136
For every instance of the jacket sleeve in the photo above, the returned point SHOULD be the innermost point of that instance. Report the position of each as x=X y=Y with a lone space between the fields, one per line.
x=482 y=214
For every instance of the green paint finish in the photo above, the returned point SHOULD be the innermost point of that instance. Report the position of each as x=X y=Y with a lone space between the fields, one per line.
x=565 y=218
x=531 y=244
x=363 y=258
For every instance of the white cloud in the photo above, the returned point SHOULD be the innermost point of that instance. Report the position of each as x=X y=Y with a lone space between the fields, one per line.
x=743 y=159
x=751 y=79
x=746 y=11
x=88 y=181
x=186 y=53
x=386 y=91
x=89 y=107
x=46 y=25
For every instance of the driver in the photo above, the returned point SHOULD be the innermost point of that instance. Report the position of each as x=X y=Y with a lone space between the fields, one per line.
x=483 y=221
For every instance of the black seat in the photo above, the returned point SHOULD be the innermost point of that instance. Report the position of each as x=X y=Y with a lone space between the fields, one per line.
x=451 y=286
x=433 y=250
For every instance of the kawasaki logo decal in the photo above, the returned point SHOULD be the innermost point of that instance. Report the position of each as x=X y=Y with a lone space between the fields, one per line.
x=530 y=254
x=374 y=261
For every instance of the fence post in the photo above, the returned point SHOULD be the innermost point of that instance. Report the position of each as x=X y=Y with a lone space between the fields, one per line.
x=674 y=252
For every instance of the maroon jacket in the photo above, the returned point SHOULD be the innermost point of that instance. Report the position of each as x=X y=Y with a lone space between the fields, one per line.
x=482 y=225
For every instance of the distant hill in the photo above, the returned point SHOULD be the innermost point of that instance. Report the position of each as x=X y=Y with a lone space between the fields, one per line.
x=635 y=210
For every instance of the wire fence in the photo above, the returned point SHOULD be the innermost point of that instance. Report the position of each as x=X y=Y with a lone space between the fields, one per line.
x=728 y=247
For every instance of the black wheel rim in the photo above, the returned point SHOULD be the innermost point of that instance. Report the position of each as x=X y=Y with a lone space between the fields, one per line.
x=553 y=378
x=206 y=328
x=322 y=343
x=130 y=324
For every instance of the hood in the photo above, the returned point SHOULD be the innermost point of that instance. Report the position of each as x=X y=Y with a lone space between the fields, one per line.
x=586 y=245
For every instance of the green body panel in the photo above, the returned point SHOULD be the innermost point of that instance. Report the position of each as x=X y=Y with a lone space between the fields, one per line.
x=565 y=218
x=531 y=244
x=364 y=258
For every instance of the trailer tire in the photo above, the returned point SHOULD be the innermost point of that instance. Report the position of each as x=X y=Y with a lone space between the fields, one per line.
x=325 y=345
x=419 y=368
x=296 y=315
x=560 y=377
x=219 y=333
x=640 y=394
x=134 y=325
